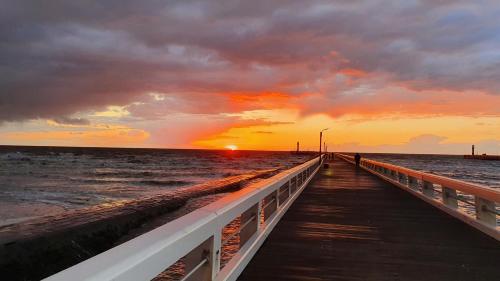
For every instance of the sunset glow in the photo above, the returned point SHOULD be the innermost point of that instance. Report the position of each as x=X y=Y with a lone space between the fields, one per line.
x=231 y=147
x=264 y=76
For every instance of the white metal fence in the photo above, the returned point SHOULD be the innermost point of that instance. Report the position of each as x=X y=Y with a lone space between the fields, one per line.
x=472 y=203
x=197 y=238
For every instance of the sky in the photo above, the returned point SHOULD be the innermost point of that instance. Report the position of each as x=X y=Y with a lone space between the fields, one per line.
x=384 y=76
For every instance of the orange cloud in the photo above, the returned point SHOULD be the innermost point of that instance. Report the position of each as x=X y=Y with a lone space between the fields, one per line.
x=271 y=100
x=393 y=101
x=118 y=137
x=352 y=72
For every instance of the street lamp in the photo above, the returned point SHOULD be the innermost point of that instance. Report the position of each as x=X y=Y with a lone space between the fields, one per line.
x=320 y=141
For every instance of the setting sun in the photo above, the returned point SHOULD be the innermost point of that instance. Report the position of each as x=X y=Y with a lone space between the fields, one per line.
x=231 y=147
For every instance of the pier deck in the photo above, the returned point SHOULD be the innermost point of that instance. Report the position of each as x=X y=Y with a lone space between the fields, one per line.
x=350 y=225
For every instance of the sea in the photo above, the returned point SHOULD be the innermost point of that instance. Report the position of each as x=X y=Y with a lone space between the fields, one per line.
x=40 y=181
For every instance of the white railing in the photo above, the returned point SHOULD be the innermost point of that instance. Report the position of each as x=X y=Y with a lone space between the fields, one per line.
x=472 y=203
x=197 y=237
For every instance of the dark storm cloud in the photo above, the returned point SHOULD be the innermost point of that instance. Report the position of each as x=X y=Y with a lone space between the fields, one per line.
x=71 y=121
x=60 y=57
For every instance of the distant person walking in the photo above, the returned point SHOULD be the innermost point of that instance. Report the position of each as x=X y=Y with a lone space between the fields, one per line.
x=357 y=158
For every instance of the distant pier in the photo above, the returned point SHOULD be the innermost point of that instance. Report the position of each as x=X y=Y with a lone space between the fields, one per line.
x=482 y=156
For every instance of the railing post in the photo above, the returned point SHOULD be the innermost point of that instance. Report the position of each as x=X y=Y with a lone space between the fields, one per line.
x=403 y=179
x=449 y=197
x=216 y=253
x=394 y=175
x=412 y=183
x=259 y=214
x=485 y=211
x=428 y=189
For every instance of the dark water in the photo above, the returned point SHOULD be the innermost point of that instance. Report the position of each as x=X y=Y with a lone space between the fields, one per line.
x=453 y=166
x=36 y=181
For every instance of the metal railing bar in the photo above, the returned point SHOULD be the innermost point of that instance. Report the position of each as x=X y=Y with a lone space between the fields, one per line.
x=232 y=235
x=284 y=191
x=202 y=263
x=461 y=199
x=269 y=203
x=495 y=212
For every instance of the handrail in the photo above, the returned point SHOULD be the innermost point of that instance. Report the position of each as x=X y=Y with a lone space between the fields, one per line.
x=196 y=238
x=466 y=187
x=423 y=185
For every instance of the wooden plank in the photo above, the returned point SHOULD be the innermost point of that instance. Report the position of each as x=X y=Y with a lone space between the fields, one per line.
x=350 y=225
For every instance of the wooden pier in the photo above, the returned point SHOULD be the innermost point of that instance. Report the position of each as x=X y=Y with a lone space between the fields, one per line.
x=351 y=225
x=483 y=157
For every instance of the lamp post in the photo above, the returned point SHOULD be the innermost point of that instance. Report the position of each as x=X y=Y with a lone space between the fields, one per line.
x=320 y=141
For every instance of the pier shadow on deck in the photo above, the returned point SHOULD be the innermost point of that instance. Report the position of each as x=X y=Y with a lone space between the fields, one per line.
x=350 y=225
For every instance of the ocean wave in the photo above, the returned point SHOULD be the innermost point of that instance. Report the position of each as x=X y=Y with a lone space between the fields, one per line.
x=123 y=174
x=127 y=173
x=15 y=156
x=166 y=182
x=134 y=181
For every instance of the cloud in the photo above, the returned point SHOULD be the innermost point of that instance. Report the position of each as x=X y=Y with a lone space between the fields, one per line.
x=195 y=130
x=123 y=137
x=71 y=121
x=63 y=57
x=424 y=144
